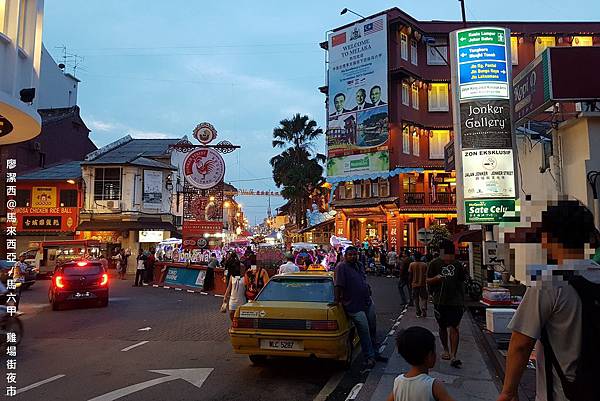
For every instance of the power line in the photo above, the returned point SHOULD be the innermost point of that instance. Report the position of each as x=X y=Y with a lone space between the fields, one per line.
x=200 y=47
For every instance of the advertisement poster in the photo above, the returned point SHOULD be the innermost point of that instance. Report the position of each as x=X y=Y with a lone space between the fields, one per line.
x=204 y=168
x=152 y=196
x=488 y=173
x=486 y=124
x=43 y=197
x=358 y=164
x=358 y=71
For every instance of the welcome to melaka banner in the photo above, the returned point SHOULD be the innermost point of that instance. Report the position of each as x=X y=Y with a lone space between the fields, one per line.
x=358 y=120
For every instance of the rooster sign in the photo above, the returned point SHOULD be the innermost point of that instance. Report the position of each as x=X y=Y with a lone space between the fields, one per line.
x=204 y=168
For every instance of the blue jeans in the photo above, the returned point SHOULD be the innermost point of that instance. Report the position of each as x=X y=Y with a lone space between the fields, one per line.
x=366 y=328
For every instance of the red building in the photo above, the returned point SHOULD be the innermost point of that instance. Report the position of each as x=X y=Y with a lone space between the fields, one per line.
x=395 y=207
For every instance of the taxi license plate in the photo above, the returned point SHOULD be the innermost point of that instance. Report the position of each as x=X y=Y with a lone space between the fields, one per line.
x=282 y=345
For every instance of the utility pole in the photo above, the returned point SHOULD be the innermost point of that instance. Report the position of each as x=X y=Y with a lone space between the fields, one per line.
x=464 y=15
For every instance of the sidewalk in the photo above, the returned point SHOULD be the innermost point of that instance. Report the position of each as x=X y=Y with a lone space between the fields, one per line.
x=471 y=382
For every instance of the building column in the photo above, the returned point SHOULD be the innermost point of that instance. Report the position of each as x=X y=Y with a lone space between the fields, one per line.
x=426 y=187
x=393 y=232
x=341 y=225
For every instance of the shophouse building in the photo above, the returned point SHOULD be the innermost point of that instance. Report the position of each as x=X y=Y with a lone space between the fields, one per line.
x=417 y=190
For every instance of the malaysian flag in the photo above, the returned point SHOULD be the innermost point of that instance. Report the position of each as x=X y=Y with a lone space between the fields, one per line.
x=338 y=39
x=373 y=27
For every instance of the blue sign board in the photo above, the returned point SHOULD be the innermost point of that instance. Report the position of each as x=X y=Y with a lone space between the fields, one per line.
x=483 y=71
x=186 y=277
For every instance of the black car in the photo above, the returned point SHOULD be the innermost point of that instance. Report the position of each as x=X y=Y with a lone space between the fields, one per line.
x=79 y=281
x=30 y=273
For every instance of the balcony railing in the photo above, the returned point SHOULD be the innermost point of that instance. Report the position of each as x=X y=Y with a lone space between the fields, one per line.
x=414 y=198
x=443 y=198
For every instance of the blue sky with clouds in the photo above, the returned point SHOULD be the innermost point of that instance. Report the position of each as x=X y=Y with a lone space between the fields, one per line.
x=154 y=69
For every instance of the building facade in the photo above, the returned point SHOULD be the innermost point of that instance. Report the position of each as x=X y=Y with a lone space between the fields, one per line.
x=20 y=64
x=418 y=191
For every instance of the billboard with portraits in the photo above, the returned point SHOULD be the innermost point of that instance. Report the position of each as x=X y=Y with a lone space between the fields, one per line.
x=357 y=120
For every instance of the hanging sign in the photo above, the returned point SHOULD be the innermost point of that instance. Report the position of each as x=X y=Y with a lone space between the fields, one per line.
x=204 y=168
x=205 y=133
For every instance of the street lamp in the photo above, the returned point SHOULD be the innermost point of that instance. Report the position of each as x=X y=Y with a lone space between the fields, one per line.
x=347 y=10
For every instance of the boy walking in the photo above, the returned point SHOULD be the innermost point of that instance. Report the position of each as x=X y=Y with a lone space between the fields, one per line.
x=417 y=346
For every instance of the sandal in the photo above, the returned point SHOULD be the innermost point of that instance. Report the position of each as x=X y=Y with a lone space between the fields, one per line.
x=445 y=356
x=456 y=363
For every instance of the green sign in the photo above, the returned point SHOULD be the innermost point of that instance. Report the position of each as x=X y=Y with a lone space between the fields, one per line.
x=490 y=211
x=481 y=36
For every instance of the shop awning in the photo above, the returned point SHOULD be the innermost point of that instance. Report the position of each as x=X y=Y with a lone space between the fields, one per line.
x=126 y=225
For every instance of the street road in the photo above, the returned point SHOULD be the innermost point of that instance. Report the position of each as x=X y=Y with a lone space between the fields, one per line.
x=158 y=344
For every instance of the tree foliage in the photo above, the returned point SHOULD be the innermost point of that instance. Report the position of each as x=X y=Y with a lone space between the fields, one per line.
x=298 y=168
x=438 y=233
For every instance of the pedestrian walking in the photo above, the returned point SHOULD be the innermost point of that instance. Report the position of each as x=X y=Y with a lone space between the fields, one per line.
x=354 y=293
x=417 y=276
x=560 y=315
x=235 y=295
x=140 y=268
x=255 y=279
x=289 y=266
x=404 y=282
x=392 y=260
x=417 y=346
x=232 y=266
x=150 y=261
x=209 y=279
x=445 y=278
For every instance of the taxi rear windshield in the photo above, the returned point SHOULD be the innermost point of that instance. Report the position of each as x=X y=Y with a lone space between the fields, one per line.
x=82 y=270
x=298 y=290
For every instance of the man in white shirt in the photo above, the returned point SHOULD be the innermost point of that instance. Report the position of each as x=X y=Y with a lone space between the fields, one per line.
x=375 y=95
x=361 y=95
x=289 y=266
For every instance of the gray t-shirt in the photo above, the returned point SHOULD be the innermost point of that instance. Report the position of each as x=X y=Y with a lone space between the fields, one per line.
x=558 y=309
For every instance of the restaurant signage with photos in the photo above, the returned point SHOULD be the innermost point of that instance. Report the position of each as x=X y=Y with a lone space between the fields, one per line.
x=153 y=183
x=358 y=119
x=485 y=152
x=204 y=168
x=43 y=197
x=358 y=164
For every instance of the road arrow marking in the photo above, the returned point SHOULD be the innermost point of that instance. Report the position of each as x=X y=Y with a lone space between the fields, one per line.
x=145 y=329
x=40 y=383
x=354 y=392
x=134 y=346
x=195 y=376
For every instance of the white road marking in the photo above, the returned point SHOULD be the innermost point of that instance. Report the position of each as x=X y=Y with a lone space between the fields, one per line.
x=354 y=392
x=331 y=385
x=40 y=383
x=166 y=287
x=155 y=285
x=203 y=293
x=197 y=377
x=219 y=296
x=145 y=329
x=192 y=291
x=177 y=289
x=134 y=346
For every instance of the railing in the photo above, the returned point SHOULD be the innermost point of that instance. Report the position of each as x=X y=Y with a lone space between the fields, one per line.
x=443 y=198
x=414 y=198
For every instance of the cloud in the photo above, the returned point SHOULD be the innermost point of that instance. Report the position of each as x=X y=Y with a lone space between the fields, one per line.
x=140 y=134
x=103 y=131
x=102 y=126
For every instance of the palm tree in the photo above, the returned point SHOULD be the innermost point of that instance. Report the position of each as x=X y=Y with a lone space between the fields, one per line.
x=297 y=168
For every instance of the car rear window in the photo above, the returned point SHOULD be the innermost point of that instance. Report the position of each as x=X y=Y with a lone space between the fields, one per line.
x=82 y=270
x=298 y=290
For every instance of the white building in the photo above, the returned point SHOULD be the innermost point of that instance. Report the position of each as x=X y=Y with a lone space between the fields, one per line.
x=20 y=64
x=58 y=89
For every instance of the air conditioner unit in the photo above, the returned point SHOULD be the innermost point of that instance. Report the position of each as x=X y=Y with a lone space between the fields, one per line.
x=113 y=205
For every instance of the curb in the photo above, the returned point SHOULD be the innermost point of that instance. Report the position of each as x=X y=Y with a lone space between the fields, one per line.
x=178 y=288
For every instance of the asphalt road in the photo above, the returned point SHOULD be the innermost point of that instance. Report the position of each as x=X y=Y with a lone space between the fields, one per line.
x=82 y=351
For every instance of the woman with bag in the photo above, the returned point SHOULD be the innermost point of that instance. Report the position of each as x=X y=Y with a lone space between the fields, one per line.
x=254 y=280
x=235 y=295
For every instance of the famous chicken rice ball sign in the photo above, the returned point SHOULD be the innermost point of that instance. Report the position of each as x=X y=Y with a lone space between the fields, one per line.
x=204 y=168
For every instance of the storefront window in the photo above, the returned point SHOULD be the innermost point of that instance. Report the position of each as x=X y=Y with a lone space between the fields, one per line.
x=348 y=190
x=68 y=198
x=107 y=184
x=23 y=197
x=366 y=188
x=384 y=188
x=3 y=15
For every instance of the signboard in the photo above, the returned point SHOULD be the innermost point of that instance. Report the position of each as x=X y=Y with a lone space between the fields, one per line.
x=484 y=147
x=42 y=197
x=358 y=119
x=449 y=163
x=205 y=133
x=151 y=236
x=483 y=63
x=485 y=124
x=35 y=219
x=358 y=164
x=488 y=210
x=152 y=195
x=201 y=227
x=204 y=168
x=187 y=277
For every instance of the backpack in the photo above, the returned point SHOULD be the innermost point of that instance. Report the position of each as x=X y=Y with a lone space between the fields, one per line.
x=585 y=386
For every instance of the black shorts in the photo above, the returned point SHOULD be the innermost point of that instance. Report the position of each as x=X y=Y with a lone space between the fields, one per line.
x=448 y=315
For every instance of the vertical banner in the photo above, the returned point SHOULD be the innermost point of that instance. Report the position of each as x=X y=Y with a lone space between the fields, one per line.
x=152 y=195
x=358 y=121
x=484 y=145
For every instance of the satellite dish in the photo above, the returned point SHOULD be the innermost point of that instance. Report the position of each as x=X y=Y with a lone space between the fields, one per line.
x=61 y=66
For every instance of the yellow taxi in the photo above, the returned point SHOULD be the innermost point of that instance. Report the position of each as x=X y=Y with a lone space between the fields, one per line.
x=294 y=315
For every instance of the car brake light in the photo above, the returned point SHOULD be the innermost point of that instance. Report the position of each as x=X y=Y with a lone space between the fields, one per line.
x=244 y=323
x=104 y=280
x=80 y=264
x=321 y=325
x=58 y=281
